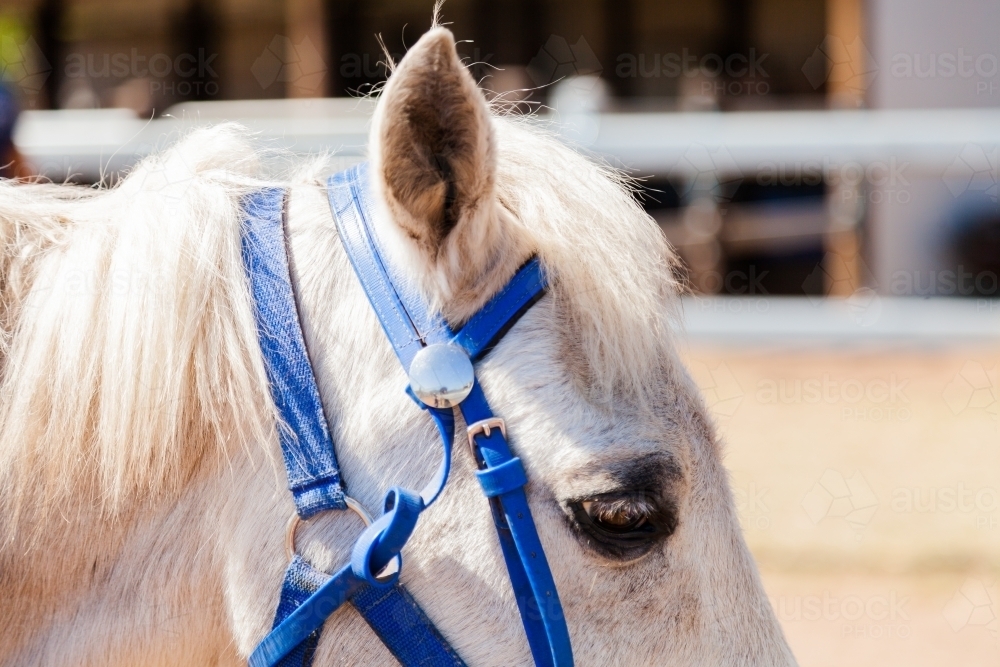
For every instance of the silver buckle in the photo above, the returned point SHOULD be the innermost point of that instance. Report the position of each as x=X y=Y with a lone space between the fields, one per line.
x=484 y=426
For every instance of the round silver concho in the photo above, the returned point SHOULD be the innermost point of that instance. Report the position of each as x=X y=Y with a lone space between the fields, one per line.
x=441 y=375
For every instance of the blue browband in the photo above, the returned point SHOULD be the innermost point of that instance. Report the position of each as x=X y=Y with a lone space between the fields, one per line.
x=370 y=582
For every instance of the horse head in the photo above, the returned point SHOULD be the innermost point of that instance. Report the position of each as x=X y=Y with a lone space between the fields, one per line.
x=143 y=504
x=625 y=476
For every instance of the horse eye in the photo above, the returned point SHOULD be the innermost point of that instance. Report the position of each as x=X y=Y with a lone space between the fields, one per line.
x=615 y=517
x=622 y=525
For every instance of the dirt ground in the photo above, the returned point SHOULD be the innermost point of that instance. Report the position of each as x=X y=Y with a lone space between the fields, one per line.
x=868 y=483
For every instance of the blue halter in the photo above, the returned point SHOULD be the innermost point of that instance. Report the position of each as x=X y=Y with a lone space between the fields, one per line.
x=370 y=582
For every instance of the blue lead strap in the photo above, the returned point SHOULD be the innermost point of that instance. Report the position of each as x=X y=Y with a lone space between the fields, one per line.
x=370 y=580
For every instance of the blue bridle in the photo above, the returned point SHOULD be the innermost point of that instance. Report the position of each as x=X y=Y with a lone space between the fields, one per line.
x=370 y=582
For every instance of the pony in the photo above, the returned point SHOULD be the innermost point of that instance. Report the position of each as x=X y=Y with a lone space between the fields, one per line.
x=142 y=499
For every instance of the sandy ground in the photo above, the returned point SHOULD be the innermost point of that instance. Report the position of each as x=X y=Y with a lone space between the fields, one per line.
x=868 y=483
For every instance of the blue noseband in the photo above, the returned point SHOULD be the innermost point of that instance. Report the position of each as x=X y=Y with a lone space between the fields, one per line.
x=370 y=582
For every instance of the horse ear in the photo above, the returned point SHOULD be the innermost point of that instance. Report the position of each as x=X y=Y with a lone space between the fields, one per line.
x=433 y=144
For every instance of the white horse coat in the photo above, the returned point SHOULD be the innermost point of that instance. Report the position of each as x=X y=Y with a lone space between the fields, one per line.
x=142 y=498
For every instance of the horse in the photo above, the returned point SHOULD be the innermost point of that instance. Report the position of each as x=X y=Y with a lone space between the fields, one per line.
x=143 y=506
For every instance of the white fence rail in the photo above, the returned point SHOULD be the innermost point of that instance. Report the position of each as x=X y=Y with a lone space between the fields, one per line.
x=88 y=143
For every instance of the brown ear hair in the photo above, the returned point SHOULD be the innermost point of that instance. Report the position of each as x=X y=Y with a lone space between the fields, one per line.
x=435 y=144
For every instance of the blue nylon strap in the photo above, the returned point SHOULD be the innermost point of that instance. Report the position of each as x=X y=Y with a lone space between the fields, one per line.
x=301 y=580
x=404 y=316
x=488 y=326
x=408 y=325
x=308 y=596
x=313 y=473
x=531 y=578
x=503 y=478
x=399 y=621
x=385 y=605
x=379 y=545
x=404 y=628
x=305 y=620
x=445 y=422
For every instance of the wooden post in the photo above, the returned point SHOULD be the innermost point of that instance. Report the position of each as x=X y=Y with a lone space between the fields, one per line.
x=849 y=77
x=843 y=266
x=305 y=25
x=847 y=82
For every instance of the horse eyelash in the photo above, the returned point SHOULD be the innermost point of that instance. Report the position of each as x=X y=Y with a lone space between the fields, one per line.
x=634 y=505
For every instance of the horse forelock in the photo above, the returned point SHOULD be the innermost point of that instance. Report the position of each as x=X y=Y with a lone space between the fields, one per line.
x=610 y=266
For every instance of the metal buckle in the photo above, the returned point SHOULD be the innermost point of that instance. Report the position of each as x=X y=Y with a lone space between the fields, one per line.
x=484 y=426
x=296 y=521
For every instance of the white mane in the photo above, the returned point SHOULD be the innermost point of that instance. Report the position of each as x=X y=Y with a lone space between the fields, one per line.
x=130 y=346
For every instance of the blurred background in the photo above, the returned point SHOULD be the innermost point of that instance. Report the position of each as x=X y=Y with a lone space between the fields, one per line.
x=826 y=169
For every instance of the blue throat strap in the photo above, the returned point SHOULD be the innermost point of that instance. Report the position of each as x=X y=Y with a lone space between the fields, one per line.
x=372 y=575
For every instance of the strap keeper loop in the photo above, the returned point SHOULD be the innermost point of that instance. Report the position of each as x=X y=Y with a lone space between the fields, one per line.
x=504 y=478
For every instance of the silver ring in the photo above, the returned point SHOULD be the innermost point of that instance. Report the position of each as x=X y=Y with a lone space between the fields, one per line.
x=295 y=521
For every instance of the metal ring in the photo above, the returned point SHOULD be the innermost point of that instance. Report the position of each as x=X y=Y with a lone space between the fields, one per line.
x=295 y=521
